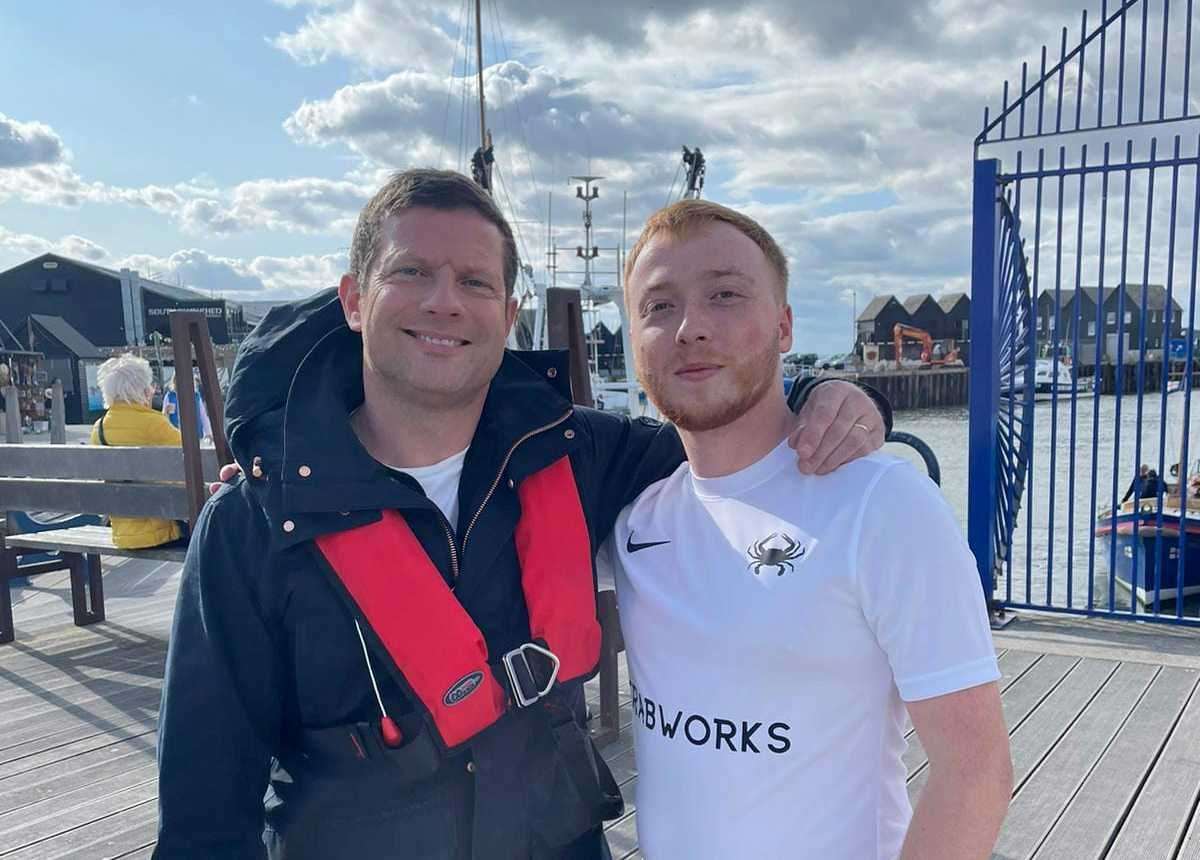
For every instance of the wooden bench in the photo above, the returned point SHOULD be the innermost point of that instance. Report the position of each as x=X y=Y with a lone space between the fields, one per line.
x=130 y=482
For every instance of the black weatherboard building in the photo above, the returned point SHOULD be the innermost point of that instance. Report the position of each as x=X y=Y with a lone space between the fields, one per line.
x=957 y=310
x=1102 y=332
x=925 y=313
x=877 y=319
x=83 y=310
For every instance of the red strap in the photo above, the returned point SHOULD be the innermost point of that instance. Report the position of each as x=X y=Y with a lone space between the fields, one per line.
x=419 y=621
x=430 y=637
x=555 y=550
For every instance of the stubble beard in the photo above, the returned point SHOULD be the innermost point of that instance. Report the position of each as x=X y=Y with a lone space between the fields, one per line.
x=753 y=380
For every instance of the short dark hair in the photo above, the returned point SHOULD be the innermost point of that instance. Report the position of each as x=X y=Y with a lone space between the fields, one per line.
x=436 y=189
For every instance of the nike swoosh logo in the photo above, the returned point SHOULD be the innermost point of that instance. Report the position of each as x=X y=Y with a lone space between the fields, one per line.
x=632 y=547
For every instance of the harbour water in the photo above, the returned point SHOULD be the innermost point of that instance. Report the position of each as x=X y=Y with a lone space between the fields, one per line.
x=1052 y=562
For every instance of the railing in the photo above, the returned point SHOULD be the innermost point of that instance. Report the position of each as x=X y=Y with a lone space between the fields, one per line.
x=1104 y=183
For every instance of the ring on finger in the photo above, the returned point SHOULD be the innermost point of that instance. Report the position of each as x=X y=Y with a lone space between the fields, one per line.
x=862 y=427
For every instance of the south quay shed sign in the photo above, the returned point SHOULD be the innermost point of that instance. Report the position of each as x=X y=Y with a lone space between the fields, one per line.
x=208 y=310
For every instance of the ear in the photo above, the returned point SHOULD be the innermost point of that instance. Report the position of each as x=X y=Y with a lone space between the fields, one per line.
x=351 y=298
x=510 y=314
x=785 y=329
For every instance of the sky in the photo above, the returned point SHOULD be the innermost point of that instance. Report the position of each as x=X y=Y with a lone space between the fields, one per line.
x=228 y=146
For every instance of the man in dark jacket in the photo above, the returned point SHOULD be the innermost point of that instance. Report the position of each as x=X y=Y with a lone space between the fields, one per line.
x=398 y=396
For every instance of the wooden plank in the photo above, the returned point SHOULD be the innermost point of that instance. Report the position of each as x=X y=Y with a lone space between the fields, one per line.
x=622 y=834
x=76 y=734
x=101 y=463
x=1190 y=850
x=79 y=697
x=168 y=501
x=56 y=780
x=51 y=679
x=1051 y=718
x=32 y=824
x=112 y=836
x=93 y=539
x=1041 y=799
x=121 y=709
x=75 y=749
x=1092 y=819
x=1169 y=797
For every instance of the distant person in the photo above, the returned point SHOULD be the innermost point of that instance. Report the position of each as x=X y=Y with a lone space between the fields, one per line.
x=4 y=383
x=127 y=388
x=170 y=408
x=1145 y=485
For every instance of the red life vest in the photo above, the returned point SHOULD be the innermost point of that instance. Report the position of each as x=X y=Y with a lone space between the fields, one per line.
x=431 y=639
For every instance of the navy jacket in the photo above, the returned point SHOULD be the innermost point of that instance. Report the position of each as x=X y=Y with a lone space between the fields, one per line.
x=263 y=652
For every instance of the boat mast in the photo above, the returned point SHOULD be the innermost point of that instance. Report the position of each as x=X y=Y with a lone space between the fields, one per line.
x=481 y=161
x=694 y=161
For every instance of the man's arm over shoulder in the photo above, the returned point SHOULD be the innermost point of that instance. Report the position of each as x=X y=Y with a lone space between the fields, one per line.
x=626 y=456
x=220 y=716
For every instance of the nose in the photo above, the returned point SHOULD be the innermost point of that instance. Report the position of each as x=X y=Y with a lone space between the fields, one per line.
x=443 y=296
x=695 y=327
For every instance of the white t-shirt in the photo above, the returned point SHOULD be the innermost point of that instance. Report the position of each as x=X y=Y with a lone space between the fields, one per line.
x=440 y=483
x=774 y=622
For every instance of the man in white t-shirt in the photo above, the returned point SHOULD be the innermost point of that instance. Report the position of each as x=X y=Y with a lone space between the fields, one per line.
x=778 y=625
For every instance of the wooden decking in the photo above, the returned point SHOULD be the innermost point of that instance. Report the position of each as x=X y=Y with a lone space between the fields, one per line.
x=1105 y=724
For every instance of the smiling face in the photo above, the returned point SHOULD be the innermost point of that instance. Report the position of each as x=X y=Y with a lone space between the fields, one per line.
x=433 y=311
x=707 y=324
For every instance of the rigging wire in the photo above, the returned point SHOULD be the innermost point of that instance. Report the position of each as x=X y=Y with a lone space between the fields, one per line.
x=671 y=190
x=524 y=140
x=466 y=85
x=444 y=139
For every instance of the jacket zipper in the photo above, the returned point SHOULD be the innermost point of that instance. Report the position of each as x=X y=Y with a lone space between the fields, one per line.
x=453 y=549
x=499 y=475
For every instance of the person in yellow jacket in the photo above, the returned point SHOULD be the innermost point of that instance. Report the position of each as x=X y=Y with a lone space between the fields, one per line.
x=127 y=387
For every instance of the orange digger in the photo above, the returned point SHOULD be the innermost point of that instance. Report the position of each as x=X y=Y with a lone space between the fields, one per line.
x=900 y=331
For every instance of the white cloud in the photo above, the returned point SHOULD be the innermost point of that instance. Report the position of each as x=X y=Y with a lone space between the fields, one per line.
x=378 y=34
x=255 y=278
x=24 y=144
x=81 y=249
x=17 y=247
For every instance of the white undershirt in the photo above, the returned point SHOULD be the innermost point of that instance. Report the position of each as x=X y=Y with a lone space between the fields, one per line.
x=775 y=624
x=440 y=483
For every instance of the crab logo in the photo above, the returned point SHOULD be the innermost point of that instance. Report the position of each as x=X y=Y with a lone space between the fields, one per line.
x=762 y=554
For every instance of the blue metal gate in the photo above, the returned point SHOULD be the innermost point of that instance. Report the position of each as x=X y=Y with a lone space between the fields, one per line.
x=1086 y=239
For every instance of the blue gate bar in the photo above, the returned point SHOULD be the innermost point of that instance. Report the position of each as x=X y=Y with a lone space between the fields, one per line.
x=1032 y=362
x=984 y=376
x=1141 y=376
x=1189 y=368
x=1082 y=211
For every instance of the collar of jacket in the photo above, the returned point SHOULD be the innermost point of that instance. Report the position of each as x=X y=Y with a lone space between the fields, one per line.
x=326 y=481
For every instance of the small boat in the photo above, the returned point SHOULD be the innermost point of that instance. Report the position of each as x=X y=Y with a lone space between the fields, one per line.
x=1157 y=538
x=1150 y=557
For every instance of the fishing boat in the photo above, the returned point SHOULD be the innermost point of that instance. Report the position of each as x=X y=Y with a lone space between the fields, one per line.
x=1153 y=543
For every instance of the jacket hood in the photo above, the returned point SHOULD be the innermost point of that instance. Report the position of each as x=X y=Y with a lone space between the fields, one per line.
x=267 y=362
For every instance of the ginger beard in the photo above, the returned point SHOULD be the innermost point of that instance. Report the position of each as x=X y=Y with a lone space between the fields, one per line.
x=739 y=387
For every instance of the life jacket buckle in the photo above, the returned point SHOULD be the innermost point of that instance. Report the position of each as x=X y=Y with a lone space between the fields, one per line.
x=521 y=679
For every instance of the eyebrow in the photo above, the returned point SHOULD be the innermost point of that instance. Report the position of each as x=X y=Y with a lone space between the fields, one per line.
x=726 y=273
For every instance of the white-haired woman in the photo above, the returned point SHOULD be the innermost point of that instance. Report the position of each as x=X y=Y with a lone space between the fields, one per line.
x=128 y=390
